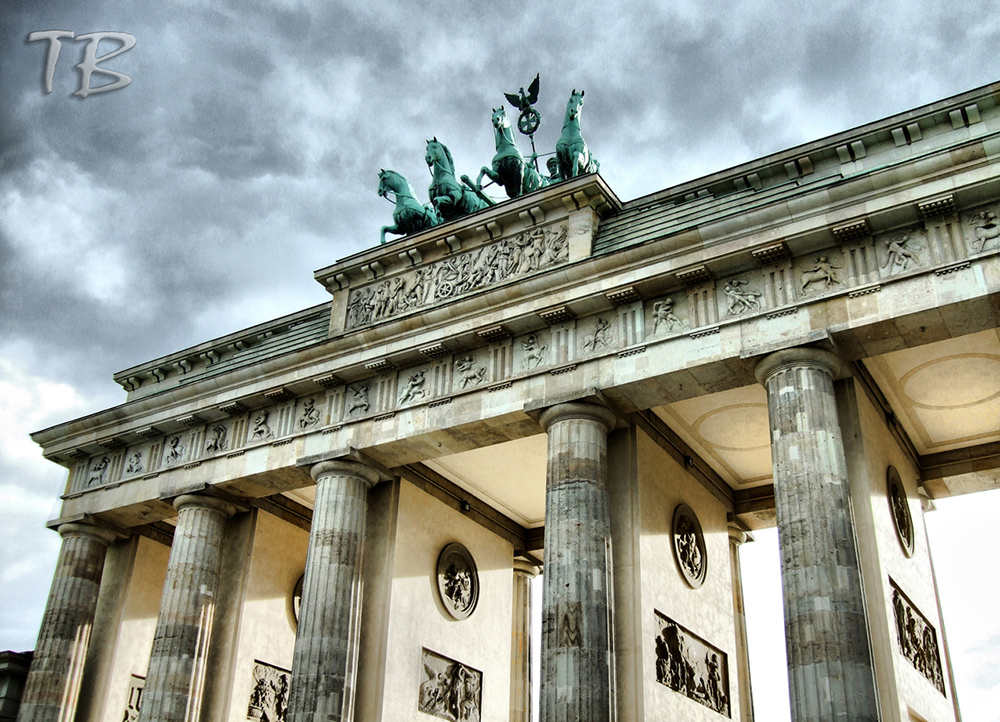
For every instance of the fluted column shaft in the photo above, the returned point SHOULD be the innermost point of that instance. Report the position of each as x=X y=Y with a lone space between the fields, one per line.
x=737 y=537
x=520 y=643
x=53 y=683
x=829 y=652
x=577 y=665
x=326 y=644
x=176 y=676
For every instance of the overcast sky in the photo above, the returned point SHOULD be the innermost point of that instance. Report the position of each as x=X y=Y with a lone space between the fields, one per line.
x=245 y=152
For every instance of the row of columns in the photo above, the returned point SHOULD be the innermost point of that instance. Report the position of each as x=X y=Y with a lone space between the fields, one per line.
x=830 y=669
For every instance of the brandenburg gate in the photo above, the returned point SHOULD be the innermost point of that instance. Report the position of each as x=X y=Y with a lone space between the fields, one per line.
x=336 y=515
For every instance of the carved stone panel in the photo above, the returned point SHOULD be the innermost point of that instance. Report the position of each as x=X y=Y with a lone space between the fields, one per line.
x=917 y=638
x=819 y=273
x=358 y=402
x=98 y=473
x=689 y=546
x=741 y=295
x=458 y=274
x=688 y=664
x=174 y=451
x=471 y=370
x=269 y=697
x=669 y=316
x=449 y=689
x=900 y=510
x=133 y=702
x=901 y=251
x=600 y=334
x=532 y=351
x=457 y=581
x=985 y=230
x=414 y=387
x=216 y=438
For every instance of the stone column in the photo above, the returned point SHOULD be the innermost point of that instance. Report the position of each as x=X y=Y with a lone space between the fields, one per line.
x=830 y=671
x=738 y=537
x=176 y=676
x=520 y=643
x=53 y=684
x=326 y=644
x=577 y=658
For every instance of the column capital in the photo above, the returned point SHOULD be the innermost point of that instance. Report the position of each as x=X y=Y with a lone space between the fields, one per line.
x=206 y=502
x=525 y=568
x=578 y=410
x=343 y=467
x=799 y=357
x=83 y=529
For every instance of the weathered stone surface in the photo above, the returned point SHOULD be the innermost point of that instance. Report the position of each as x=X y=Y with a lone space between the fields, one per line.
x=326 y=643
x=829 y=652
x=577 y=670
x=53 y=684
x=177 y=664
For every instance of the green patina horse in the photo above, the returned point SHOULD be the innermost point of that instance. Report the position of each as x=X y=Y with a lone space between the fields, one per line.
x=571 y=149
x=510 y=169
x=450 y=197
x=410 y=215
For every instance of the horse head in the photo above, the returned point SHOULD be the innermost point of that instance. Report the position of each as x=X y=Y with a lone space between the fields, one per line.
x=500 y=120
x=575 y=105
x=437 y=152
x=389 y=181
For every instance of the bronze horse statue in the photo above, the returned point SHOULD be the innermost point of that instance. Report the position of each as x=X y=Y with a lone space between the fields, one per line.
x=450 y=197
x=510 y=169
x=410 y=215
x=571 y=149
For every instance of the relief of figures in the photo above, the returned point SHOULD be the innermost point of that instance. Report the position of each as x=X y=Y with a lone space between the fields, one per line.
x=98 y=471
x=900 y=510
x=359 y=401
x=217 y=439
x=917 y=639
x=691 y=666
x=174 y=453
x=823 y=271
x=134 y=463
x=269 y=698
x=600 y=338
x=450 y=690
x=987 y=229
x=457 y=581
x=413 y=389
x=534 y=353
x=689 y=546
x=260 y=431
x=469 y=372
x=310 y=415
x=901 y=251
x=663 y=314
x=741 y=298
x=452 y=276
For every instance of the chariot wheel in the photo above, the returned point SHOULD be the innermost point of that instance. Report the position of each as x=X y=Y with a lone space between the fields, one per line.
x=445 y=289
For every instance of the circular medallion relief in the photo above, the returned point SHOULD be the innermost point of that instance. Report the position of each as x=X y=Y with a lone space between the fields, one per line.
x=297 y=599
x=457 y=581
x=689 y=546
x=900 y=510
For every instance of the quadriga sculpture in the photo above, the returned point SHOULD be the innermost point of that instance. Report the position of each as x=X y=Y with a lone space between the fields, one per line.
x=450 y=197
x=571 y=149
x=510 y=169
x=410 y=215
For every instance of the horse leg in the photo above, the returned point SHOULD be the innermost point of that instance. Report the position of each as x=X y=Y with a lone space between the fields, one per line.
x=490 y=174
x=390 y=229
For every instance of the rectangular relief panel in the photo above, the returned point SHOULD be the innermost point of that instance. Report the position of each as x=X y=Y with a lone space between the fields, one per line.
x=449 y=689
x=269 y=698
x=688 y=664
x=917 y=638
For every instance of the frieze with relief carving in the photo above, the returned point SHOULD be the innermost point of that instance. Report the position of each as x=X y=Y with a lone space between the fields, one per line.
x=986 y=230
x=689 y=665
x=666 y=318
x=455 y=275
x=98 y=472
x=917 y=638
